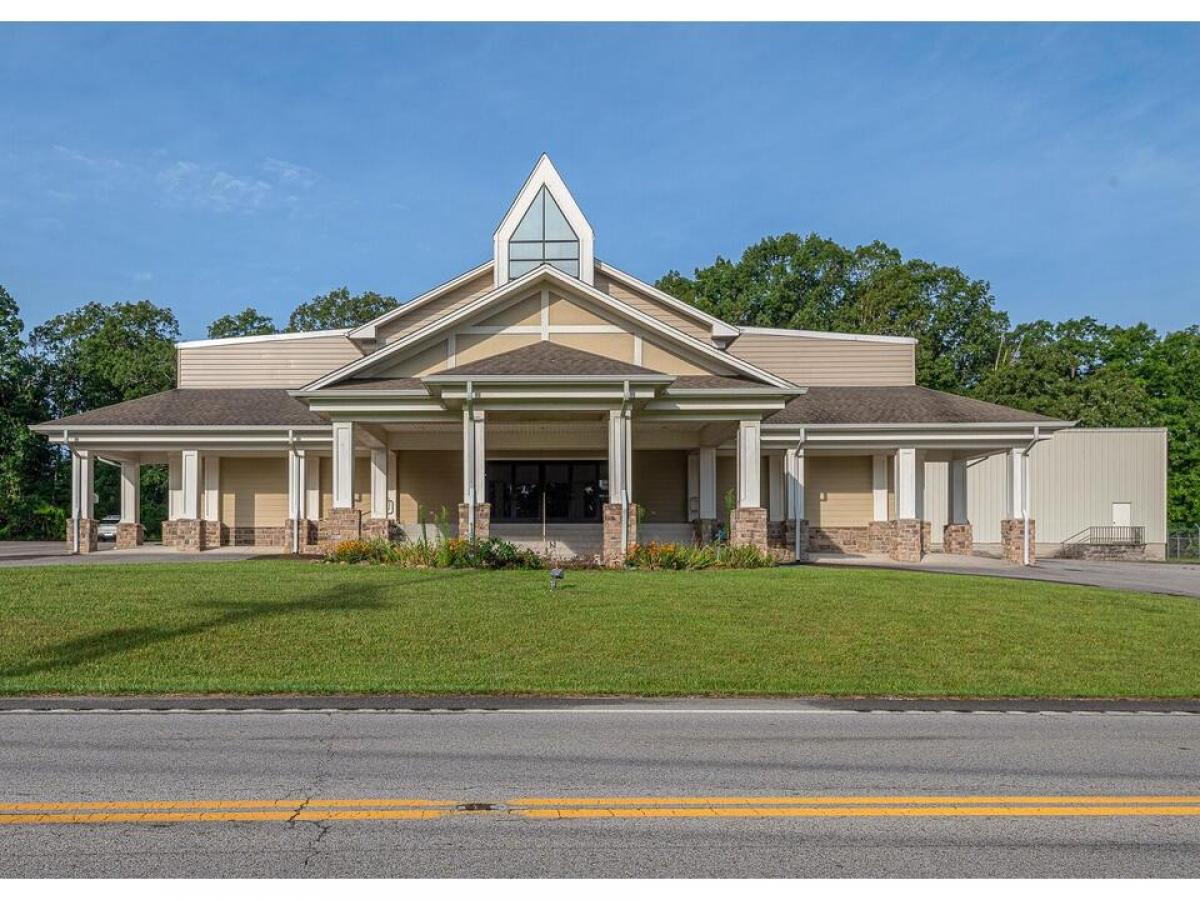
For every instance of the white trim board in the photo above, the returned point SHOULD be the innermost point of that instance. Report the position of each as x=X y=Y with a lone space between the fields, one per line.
x=830 y=335
x=367 y=331
x=262 y=338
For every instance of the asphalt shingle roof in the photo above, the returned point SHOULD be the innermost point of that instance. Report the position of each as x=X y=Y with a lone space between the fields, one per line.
x=377 y=384
x=201 y=406
x=898 y=405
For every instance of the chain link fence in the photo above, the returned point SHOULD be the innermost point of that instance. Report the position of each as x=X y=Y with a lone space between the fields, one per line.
x=1184 y=543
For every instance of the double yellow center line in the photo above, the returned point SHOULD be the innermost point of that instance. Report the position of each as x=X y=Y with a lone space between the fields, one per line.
x=395 y=808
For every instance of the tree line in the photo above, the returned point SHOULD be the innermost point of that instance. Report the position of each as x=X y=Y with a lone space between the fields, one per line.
x=1081 y=369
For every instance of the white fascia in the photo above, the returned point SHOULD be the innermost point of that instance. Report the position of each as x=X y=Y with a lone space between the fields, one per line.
x=366 y=332
x=544 y=175
x=263 y=338
x=549 y=273
x=830 y=335
x=720 y=328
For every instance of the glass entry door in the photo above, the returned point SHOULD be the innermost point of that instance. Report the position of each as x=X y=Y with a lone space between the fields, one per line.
x=561 y=491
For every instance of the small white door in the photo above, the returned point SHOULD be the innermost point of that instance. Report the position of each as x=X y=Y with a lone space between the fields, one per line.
x=1122 y=513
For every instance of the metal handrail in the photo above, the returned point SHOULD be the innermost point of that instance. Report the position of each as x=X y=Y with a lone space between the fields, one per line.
x=1117 y=534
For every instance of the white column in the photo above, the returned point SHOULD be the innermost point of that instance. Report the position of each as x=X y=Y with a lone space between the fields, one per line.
x=749 y=464
x=191 y=484
x=312 y=487
x=343 y=465
x=620 y=457
x=956 y=491
x=380 y=469
x=212 y=488
x=1014 y=485
x=474 y=456
x=776 y=488
x=131 y=493
x=174 y=486
x=693 y=486
x=879 y=487
x=83 y=484
x=910 y=483
x=794 y=465
x=707 y=458
x=297 y=484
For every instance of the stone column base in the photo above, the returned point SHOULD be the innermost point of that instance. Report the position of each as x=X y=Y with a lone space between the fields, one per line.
x=308 y=535
x=777 y=535
x=881 y=536
x=214 y=533
x=1012 y=541
x=89 y=535
x=610 y=554
x=703 y=530
x=748 y=527
x=911 y=540
x=794 y=526
x=340 y=525
x=130 y=535
x=483 y=521
x=958 y=539
x=190 y=535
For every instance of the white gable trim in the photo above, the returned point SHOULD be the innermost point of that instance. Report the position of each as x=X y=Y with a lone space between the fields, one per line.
x=517 y=288
x=544 y=175
x=830 y=335
x=366 y=331
x=720 y=328
x=263 y=338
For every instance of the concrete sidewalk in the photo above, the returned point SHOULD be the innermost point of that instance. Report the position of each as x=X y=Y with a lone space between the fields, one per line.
x=1156 y=578
x=55 y=553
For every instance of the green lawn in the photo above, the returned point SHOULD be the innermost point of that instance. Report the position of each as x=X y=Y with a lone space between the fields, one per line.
x=282 y=626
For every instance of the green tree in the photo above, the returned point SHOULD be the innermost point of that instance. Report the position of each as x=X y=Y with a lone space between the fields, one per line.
x=338 y=309
x=815 y=283
x=27 y=464
x=97 y=355
x=1170 y=374
x=244 y=324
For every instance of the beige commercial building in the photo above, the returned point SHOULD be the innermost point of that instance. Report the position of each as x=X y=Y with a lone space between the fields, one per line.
x=548 y=397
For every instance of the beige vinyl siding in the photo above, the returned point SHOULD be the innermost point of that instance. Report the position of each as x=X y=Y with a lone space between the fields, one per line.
x=829 y=361
x=423 y=362
x=290 y=363
x=254 y=491
x=837 y=491
x=660 y=359
x=523 y=312
x=568 y=312
x=428 y=479
x=473 y=347
x=660 y=484
x=610 y=346
x=435 y=309
x=1076 y=477
x=362 y=485
x=652 y=306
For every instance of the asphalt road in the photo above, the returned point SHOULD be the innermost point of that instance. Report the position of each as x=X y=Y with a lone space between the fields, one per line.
x=765 y=788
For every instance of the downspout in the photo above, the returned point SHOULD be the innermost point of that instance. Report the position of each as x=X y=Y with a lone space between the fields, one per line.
x=294 y=472
x=1025 y=486
x=626 y=467
x=76 y=492
x=470 y=402
x=797 y=512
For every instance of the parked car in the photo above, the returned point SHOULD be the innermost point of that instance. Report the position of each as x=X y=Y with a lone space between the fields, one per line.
x=107 y=529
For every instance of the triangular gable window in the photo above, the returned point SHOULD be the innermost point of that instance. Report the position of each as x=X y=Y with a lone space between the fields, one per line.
x=543 y=236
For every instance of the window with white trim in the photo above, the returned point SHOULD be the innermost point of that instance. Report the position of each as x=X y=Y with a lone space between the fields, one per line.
x=543 y=236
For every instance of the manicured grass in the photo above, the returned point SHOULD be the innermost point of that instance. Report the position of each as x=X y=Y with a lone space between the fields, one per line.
x=281 y=626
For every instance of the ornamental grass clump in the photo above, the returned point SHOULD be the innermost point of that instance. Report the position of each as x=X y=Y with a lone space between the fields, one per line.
x=665 y=556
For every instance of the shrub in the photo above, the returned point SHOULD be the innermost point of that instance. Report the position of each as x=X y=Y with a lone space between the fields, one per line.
x=453 y=553
x=708 y=556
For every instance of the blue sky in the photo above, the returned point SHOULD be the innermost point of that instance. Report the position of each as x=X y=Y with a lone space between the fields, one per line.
x=212 y=167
